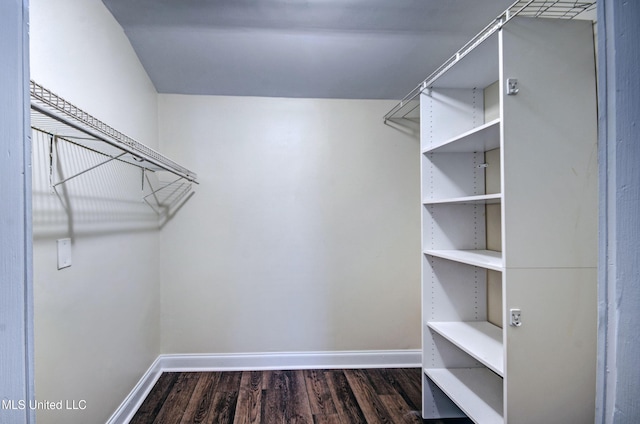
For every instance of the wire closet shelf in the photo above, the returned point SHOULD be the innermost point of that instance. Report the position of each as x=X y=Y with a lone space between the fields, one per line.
x=54 y=115
x=523 y=8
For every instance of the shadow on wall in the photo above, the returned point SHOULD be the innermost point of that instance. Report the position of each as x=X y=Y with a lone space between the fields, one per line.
x=80 y=191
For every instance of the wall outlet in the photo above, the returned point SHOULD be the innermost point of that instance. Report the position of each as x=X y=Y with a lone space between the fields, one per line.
x=64 y=253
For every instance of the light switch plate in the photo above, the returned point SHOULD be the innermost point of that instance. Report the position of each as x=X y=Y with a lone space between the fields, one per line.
x=64 y=253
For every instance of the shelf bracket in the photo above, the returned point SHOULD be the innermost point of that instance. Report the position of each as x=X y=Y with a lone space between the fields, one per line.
x=111 y=158
x=512 y=86
x=52 y=140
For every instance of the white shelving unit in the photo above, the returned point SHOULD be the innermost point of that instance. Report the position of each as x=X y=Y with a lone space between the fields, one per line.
x=513 y=196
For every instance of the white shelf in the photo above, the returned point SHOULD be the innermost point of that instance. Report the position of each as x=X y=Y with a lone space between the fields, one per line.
x=468 y=200
x=480 y=339
x=476 y=391
x=489 y=259
x=480 y=139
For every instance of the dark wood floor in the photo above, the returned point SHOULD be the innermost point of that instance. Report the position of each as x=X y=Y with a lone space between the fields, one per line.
x=302 y=396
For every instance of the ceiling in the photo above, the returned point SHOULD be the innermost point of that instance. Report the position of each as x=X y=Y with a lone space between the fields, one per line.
x=359 y=49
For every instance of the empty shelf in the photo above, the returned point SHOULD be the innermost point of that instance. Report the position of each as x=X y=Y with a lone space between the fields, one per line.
x=480 y=339
x=477 y=391
x=489 y=259
x=480 y=139
x=468 y=200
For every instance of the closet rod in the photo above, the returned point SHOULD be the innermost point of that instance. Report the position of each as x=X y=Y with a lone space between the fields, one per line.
x=529 y=8
x=50 y=105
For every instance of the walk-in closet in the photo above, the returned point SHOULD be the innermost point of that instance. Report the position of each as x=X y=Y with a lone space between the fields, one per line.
x=319 y=211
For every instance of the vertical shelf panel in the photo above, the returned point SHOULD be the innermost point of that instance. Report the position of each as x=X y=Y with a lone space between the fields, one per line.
x=550 y=144
x=549 y=219
x=551 y=358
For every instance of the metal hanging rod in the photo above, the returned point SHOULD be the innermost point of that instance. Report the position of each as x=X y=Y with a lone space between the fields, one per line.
x=527 y=8
x=54 y=115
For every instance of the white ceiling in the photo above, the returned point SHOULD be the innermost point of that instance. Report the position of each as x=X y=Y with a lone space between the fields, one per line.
x=364 y=49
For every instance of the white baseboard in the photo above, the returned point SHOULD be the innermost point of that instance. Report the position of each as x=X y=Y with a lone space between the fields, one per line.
x=261 y=361
x=132 y=402
x=291 y=361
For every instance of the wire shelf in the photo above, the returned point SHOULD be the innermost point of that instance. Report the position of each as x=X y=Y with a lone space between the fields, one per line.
x=550 y=8
x=524 y=8
x=54 y=115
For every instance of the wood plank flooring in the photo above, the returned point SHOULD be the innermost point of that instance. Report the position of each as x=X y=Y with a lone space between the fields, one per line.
x=302 y=396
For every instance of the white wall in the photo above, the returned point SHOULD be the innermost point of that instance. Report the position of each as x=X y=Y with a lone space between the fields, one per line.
x=304 y=232
x=303 y=235
x=97 y=322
